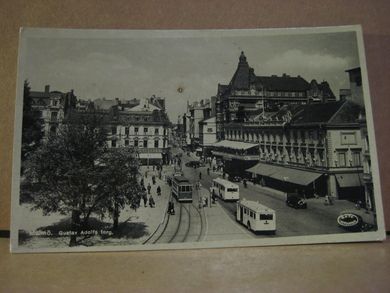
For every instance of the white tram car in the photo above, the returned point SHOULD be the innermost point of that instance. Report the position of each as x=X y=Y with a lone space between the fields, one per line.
x=255 y=216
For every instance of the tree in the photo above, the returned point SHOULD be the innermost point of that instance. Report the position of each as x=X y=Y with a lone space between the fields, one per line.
x=118 y=184
x=32 y=131
x=65 y=172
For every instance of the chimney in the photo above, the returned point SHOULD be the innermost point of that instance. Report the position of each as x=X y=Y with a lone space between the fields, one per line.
x=47 y=89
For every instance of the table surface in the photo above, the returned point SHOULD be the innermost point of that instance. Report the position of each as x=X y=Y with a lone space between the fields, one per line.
x=339 y=267
x=357 y=267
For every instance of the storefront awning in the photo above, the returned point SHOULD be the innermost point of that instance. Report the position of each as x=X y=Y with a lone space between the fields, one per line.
x=349 y=180
x=237 y=145
x=295 y=176
x=262 y=169
x=150 y=156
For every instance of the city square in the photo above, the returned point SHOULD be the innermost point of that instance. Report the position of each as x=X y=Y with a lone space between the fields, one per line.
x=257 y=156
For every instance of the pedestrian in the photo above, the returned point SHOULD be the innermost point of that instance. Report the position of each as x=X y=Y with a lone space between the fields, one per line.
x=146 y=174
x=244 y=182
x=208 y=171
x=142 y=182
x=158 y=190
x=200 y=175
x=145 y=198
x=149 y=188
x=151 y=202
x=153 y=167
x=154 y=179
x=171 y=207
x=213 y=196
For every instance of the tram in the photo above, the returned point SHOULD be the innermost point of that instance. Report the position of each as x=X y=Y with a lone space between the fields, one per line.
x=181 y=189
x=255 y=216
x=225 y=189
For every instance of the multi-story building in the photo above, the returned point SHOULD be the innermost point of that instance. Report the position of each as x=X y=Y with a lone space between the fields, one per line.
x=52 y=107
x=207 y=135
x=251 y=94
x=145 y=127
x=196 y=112
x=315 y=149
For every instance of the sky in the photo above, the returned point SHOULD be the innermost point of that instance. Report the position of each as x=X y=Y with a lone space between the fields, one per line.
x=138 y=67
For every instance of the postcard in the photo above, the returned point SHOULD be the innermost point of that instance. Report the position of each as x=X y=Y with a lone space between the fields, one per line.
x=177 y=139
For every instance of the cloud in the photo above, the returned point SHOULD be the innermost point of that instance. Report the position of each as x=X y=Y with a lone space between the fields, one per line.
x=298 y=61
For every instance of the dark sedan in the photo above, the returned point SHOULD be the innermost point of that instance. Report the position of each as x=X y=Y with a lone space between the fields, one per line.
x=295 y=201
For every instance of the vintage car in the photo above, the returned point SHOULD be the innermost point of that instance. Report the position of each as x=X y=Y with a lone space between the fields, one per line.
x=296 y=201
x=235 y=179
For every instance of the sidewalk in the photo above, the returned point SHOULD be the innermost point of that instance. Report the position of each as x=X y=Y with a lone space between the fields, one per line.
x=151 y=217
x=220 y=226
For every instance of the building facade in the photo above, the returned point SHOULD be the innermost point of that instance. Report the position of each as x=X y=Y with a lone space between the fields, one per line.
x=52 y=106
x=207 y=135
x=315 y=149
x=247 y=95
x=145 y=127
x=196 y=112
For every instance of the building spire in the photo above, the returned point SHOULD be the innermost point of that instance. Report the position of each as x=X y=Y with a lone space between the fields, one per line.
x=242 y=57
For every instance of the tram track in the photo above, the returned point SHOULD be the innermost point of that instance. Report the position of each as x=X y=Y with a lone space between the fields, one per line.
x=189 y=226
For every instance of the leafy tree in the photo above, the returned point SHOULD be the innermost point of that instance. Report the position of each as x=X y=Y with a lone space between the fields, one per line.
x=32 y=128
x=65 y=171
x=118 y=183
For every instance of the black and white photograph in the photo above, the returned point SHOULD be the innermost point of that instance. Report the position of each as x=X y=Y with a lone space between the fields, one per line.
x=171 y=139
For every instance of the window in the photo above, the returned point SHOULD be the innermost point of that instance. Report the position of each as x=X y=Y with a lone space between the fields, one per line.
x=209 y=130
x=113 y=130
x=266 y=217
x=342 y=159
x=356 y=159
x=53 y=130
x=126 y=142
x=303 y=136
x=156 y=143
x=136 y=143
x=348 y=138
x=55 y=103
x=145 y=130
x=156 y=131
x=145 y=143
x=127 y=130
x=136 y=129
x=232 y=190
x=113 y=143
x=54 y=115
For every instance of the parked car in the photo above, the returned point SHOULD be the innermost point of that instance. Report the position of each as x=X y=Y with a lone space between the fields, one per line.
x=296 y=201
x=235 y=178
